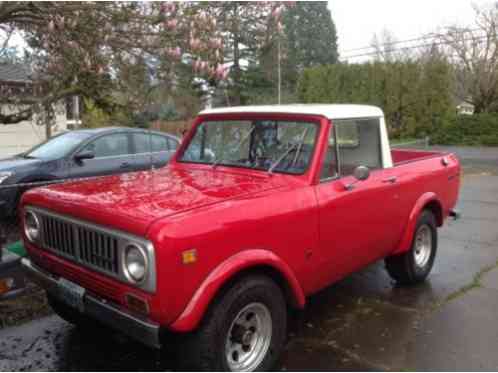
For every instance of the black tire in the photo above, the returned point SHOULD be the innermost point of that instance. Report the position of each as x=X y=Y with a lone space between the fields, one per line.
x=205 y=349
x=404 y=268
x=70 y=314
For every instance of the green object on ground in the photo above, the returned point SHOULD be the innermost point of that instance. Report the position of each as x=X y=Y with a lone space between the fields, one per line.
x=17 y=248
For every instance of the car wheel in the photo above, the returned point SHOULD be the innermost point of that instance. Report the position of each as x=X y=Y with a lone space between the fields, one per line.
x=243 y=331
x=414 y=266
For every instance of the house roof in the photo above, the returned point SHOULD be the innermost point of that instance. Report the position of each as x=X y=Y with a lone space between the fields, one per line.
x=17 y=73
x=329 y=111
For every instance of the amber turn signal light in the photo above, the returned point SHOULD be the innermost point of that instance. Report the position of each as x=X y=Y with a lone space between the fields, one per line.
x=6 y=284
x=189 y=256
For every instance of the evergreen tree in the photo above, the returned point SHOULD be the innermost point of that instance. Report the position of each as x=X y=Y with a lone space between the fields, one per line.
x=311 y=37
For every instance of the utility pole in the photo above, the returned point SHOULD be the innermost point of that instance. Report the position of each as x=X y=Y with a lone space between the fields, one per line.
x=279 y=73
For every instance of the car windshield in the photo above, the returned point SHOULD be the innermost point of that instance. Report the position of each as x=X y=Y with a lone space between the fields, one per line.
x=57 y=147
x=270 y=145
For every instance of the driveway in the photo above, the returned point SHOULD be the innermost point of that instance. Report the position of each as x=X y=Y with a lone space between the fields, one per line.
x=365 y=322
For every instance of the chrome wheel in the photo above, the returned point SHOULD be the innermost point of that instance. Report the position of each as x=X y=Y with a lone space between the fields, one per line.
x=248 y=338
x=423 y=246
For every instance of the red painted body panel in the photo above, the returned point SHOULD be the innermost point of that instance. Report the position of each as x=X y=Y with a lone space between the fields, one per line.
x=312 y=233
x=218 y=277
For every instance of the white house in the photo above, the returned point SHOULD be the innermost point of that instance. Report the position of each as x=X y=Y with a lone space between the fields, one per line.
x=16 y=138
x=465 y=108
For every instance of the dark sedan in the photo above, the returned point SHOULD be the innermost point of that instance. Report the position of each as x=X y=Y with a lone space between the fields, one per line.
x=83 y=153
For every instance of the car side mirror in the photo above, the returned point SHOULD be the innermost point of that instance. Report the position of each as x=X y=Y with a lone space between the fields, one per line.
x=361 y=173
x=84 y=154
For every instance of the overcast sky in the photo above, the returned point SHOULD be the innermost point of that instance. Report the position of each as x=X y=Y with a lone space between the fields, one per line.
x=358 y=20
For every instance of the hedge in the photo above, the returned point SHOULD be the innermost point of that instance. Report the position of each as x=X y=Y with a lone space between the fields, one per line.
x=478 y=129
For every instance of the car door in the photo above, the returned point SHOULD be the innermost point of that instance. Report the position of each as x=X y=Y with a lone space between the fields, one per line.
x=151 y=150
x=112 y=156
x=359 y=222
x=163 y=149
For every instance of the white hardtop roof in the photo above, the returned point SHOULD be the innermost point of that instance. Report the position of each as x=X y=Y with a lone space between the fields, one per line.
x=329 y=111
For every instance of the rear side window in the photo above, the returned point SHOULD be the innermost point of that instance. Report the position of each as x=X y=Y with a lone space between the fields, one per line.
x=145 y=143
x=173 y=144
x=141 y=142
x=110 y=145
x=159 y=143
x=358 y=143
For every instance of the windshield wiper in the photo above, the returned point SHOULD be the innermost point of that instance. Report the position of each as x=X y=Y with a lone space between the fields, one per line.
x=297 y=146
x=237 y=147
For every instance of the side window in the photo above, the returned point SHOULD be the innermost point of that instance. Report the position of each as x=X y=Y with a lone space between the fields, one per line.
x=173 y=144
x=159 y=144
x=142 y=143
x=109 y=145
x=329 y=166
x=358 y=144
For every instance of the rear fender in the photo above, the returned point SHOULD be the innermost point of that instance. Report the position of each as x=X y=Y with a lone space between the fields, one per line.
x=428 y=199
x=224 y=273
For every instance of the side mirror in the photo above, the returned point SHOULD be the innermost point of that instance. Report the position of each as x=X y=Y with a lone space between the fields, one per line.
x=361 y=173
x=84 y=154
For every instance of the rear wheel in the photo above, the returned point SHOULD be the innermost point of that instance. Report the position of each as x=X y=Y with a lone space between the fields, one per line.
x=414 y=266
x=243 y=331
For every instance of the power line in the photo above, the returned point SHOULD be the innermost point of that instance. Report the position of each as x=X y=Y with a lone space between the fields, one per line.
x=428 y=36
x=410 y=48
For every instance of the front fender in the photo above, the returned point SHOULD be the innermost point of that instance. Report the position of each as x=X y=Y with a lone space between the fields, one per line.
x=407 y=237
x=244 y=260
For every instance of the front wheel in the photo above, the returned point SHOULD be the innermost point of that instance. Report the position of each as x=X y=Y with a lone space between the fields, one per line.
x=243 y=331
x=414 y=266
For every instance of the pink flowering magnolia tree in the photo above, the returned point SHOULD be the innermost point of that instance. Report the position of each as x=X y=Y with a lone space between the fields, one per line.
x=79 y=48
x=246 y=28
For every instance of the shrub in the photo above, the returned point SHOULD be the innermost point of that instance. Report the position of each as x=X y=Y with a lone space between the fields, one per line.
x=479 y=129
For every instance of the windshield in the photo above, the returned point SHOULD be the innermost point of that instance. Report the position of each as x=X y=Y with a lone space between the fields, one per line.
x=57 y=147
x=275 y=146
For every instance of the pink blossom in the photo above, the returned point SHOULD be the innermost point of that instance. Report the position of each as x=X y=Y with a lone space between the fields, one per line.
x=225 y=74
x=277 y=12
x=178 y=52
x=171 y=24
x=219 y=71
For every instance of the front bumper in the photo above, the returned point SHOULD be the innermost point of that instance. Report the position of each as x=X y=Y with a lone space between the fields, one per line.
x=143 y=330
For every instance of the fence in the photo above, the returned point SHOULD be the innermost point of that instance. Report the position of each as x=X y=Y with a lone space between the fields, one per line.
x=174 y=127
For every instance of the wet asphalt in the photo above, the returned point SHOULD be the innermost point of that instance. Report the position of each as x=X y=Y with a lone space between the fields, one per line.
x=362 y=323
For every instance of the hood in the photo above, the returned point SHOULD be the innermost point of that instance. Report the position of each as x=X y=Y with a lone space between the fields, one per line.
x=17 y=163
x=131 y=202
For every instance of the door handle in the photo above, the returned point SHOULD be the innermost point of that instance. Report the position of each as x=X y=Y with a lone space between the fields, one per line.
x=125 y=165
x=391 y=180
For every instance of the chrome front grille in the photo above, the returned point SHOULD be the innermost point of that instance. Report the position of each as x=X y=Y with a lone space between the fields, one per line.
x=89 y=246
x=93 y=246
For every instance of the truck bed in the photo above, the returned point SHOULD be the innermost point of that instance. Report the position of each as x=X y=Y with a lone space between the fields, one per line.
x=402 y=156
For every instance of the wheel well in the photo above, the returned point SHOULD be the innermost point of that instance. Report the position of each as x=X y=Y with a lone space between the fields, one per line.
x=265 y=270
x=437 y=211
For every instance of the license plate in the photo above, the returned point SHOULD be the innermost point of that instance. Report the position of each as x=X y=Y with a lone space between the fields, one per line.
x=71 y=294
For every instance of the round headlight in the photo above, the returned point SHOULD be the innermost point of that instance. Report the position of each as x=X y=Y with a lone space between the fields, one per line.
x=135 y=263
x=31 y=226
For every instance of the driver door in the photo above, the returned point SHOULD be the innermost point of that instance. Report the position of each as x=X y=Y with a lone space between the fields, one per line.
x=358 y=219
x=112 y=156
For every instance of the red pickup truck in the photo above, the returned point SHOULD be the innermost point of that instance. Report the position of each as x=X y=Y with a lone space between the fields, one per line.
x=259 y=208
